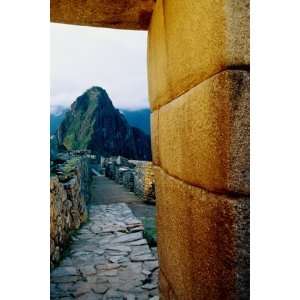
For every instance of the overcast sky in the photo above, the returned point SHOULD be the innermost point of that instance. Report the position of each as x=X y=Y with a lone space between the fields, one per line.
x=82 y=57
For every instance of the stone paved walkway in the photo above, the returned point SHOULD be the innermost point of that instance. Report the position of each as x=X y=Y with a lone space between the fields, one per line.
x=106 y=191
x=108 y=259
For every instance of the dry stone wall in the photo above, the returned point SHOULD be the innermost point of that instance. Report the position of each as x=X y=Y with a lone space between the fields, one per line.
x=128 y=180
x=137 y=176
x=69 y=192
x=144 y=183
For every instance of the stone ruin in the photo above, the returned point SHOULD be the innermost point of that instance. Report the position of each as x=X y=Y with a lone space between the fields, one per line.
x=69 y=193
x=199 y=90
x=137 y=176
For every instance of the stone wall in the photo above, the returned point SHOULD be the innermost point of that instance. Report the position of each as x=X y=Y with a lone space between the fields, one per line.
x=144 y=183
x=128 y=180
x=135 y=175
x=69 y=192
x=198 y=70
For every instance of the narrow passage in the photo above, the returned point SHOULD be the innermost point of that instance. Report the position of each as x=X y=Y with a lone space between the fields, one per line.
x=109 y=257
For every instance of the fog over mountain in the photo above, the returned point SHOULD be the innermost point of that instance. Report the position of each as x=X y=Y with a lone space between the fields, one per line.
x=83 y=56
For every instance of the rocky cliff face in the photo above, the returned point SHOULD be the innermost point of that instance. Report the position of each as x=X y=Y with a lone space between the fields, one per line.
x=93 y=123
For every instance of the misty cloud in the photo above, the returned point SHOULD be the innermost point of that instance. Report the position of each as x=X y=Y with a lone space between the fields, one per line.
x=82 y=57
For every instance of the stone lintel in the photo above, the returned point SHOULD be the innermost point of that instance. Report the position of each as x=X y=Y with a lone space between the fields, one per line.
x=119 y=14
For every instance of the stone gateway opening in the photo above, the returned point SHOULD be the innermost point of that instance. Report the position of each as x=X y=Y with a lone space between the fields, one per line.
x=199 y=79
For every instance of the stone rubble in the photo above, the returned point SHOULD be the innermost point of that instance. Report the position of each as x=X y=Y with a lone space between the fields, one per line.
x=108 y=259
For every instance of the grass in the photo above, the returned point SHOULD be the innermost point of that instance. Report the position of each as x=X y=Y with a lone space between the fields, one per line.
x=150 y=231
x=70 y=166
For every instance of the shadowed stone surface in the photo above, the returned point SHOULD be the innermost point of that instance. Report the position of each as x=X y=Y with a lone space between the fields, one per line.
x=69 y=191
x=108 y=258
x=211 y=123
x=203 y=244
x=122 y=14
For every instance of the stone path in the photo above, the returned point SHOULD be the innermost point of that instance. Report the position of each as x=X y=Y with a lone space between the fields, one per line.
x=106 y=191
x=108 y=259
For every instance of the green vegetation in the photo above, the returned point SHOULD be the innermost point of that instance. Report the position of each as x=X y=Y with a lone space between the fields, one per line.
x=70 y=165
x=150 y=231
x=93 y=123
x=80 y=126
x=68 y=169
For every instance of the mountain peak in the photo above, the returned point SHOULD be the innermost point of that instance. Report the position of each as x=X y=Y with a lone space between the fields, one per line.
x=97 y=93
x=95 y=96
x=96 y=89
x=95 y=124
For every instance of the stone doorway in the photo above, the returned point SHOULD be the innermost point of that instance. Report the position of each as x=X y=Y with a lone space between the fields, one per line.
x=199 y=78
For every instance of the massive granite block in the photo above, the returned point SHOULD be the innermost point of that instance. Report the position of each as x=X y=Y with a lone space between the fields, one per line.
x=203 y=242
x=122 y=14
x=189 y=41
x=158 y=72
x=204 y=134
